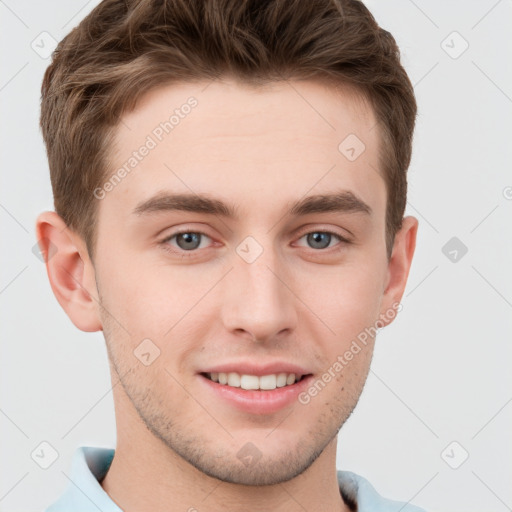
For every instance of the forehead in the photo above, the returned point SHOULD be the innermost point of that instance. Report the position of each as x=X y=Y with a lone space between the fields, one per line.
x=252 y=143
x=228 y=107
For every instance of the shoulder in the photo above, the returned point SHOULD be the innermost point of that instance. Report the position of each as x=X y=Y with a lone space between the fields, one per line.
x=84 y=493
x=361 y=496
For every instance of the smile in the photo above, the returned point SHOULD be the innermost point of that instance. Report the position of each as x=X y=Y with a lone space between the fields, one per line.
x=254 y=382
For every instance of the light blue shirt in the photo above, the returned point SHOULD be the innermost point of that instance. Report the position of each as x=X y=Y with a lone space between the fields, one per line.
x=89 y=466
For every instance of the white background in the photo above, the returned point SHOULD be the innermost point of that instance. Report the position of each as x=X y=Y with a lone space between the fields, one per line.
x=441 y=371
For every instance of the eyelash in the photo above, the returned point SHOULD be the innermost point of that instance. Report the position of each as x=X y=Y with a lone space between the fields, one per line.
x=192 y=253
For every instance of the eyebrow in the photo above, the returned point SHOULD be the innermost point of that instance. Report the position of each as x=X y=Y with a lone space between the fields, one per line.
x=343 y=201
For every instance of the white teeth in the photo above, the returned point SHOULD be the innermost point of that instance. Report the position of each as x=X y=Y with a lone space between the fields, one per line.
x=265 y=382
x=281 y=380
x=249 y=382
x=268 y=382
x=234 y=380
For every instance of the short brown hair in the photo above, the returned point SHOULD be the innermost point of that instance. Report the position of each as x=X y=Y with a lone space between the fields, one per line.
x=124 y=48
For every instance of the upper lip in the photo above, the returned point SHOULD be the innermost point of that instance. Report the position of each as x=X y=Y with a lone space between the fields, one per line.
x=246 y=368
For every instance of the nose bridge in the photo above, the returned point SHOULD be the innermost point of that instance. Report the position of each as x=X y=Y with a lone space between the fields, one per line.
x=257 y=299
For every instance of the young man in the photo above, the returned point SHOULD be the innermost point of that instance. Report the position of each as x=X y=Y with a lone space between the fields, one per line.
x=230 y=183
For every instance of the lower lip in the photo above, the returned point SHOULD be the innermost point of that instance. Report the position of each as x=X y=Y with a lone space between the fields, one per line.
x=258 y=402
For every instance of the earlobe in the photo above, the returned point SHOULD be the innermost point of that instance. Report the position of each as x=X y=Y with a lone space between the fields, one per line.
x=399 y=266
x=70 y=271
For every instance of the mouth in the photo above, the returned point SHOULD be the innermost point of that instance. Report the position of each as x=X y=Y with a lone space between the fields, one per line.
x=264 y=388
x=247 y=382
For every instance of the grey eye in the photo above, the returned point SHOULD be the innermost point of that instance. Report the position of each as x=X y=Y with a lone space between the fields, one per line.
x=319 y=239
x=188 y=241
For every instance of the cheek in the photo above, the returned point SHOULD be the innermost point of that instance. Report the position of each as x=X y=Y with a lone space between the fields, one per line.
x=348 y=299
x=137 y=297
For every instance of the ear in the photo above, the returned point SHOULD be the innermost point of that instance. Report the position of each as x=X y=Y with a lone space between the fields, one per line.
x=70 y=271
x=398 y=269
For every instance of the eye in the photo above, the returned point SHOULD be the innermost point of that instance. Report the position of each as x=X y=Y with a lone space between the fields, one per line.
x=187 y=241
x=322 y=239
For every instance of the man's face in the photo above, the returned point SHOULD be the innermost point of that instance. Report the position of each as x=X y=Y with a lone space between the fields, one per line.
x=266 y=292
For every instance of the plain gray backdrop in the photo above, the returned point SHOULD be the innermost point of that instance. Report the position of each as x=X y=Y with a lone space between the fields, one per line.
x=433 y=424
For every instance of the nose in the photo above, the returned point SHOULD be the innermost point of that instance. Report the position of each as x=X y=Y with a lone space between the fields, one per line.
x=258 y=300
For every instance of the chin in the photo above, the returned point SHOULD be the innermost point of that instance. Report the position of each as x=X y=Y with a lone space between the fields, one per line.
x=252 y=464
x=263 y=471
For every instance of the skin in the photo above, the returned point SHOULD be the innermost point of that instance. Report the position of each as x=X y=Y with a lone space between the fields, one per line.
x=259 y=150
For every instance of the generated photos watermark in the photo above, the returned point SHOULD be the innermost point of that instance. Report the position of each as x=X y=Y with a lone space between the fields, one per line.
x=344 y=359
x=152 y=140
